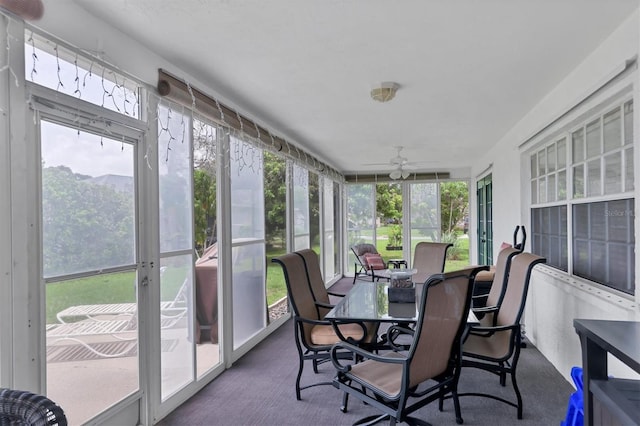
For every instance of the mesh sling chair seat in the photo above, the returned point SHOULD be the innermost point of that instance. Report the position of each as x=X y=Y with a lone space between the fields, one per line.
x=400 y=382
x=26 y=408
x=315 y=336
x=496 y=348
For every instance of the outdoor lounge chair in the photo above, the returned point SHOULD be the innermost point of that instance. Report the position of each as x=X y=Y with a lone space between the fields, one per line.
x=117 y=320
x=428 y=259
x=400 y=382
x=368 y=262
x=496 y=348
x=313 y=335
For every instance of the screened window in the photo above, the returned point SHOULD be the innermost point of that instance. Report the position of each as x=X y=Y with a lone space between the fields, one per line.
x=603 y=243
x=587 y=173
x=56 y=67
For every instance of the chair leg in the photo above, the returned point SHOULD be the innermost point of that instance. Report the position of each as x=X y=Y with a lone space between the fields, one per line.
x=345 y=402
x=456 y=407
x=503 y=376
x=300 y=367
x=298 y=379
x=518 y=396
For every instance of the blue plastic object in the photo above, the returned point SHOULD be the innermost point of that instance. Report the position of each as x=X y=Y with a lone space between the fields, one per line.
x=575 y=407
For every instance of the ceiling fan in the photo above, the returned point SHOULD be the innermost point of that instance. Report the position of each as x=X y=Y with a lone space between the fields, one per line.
x=399 y=163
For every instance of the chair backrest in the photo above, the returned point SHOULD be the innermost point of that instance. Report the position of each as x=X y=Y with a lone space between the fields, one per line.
x=19 y=407
x=519 y=244
x=298 y=289
x=314 y=274
x=429 y=259
x=443 y=311
x=501 y=276
x=515 y=295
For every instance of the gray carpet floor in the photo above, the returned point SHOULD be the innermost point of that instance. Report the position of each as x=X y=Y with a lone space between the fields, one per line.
x=259 y=390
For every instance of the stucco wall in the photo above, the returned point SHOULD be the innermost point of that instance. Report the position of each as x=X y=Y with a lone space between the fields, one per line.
x=554 y=298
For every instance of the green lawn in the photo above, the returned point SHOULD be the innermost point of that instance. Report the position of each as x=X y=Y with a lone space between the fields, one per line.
x=120 y=287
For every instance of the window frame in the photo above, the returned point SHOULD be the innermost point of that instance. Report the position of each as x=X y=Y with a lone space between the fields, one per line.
x=567 y=133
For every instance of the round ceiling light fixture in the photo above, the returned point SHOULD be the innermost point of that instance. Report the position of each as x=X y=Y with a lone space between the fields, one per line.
x=385 y=91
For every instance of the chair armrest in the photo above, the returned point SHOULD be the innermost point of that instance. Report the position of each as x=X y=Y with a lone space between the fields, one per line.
x=324 y=305
x=356 y=350
x=479 y=296
x=485 y=310
x=488 y=331
x=394 y=332
x=336 y=329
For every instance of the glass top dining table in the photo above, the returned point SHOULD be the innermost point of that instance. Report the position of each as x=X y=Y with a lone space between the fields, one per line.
x=369 y=301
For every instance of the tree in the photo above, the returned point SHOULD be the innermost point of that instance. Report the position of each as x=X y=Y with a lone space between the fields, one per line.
x=275 y=196
x=86 y=225
x=389 y=202
x=204 y=205
x=454 y=204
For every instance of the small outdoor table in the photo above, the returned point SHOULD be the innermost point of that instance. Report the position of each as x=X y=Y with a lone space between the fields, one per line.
x=397 y=263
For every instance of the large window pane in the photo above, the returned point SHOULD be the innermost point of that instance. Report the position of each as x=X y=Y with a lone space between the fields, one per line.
x=360 y=217
x=174 y=168
x=176 y=247
x=389 y=217
x=329 y=243
x=314 y=212
x=425 y=222
x=88 y=206
x=88 y=226
x=275 y=203
x=301 y=208
x=207 y=267
x=247 y=231
x=176 y=323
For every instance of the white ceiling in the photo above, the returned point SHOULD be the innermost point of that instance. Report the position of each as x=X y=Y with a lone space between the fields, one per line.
x=468 y=70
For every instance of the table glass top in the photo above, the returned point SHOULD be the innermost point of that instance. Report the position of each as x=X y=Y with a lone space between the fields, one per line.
x=368 y=301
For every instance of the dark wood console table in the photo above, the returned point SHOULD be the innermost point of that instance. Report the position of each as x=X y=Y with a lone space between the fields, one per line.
x=608 y=400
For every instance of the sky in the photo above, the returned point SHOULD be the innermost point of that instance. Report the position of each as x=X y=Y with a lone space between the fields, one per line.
x=82 y=152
